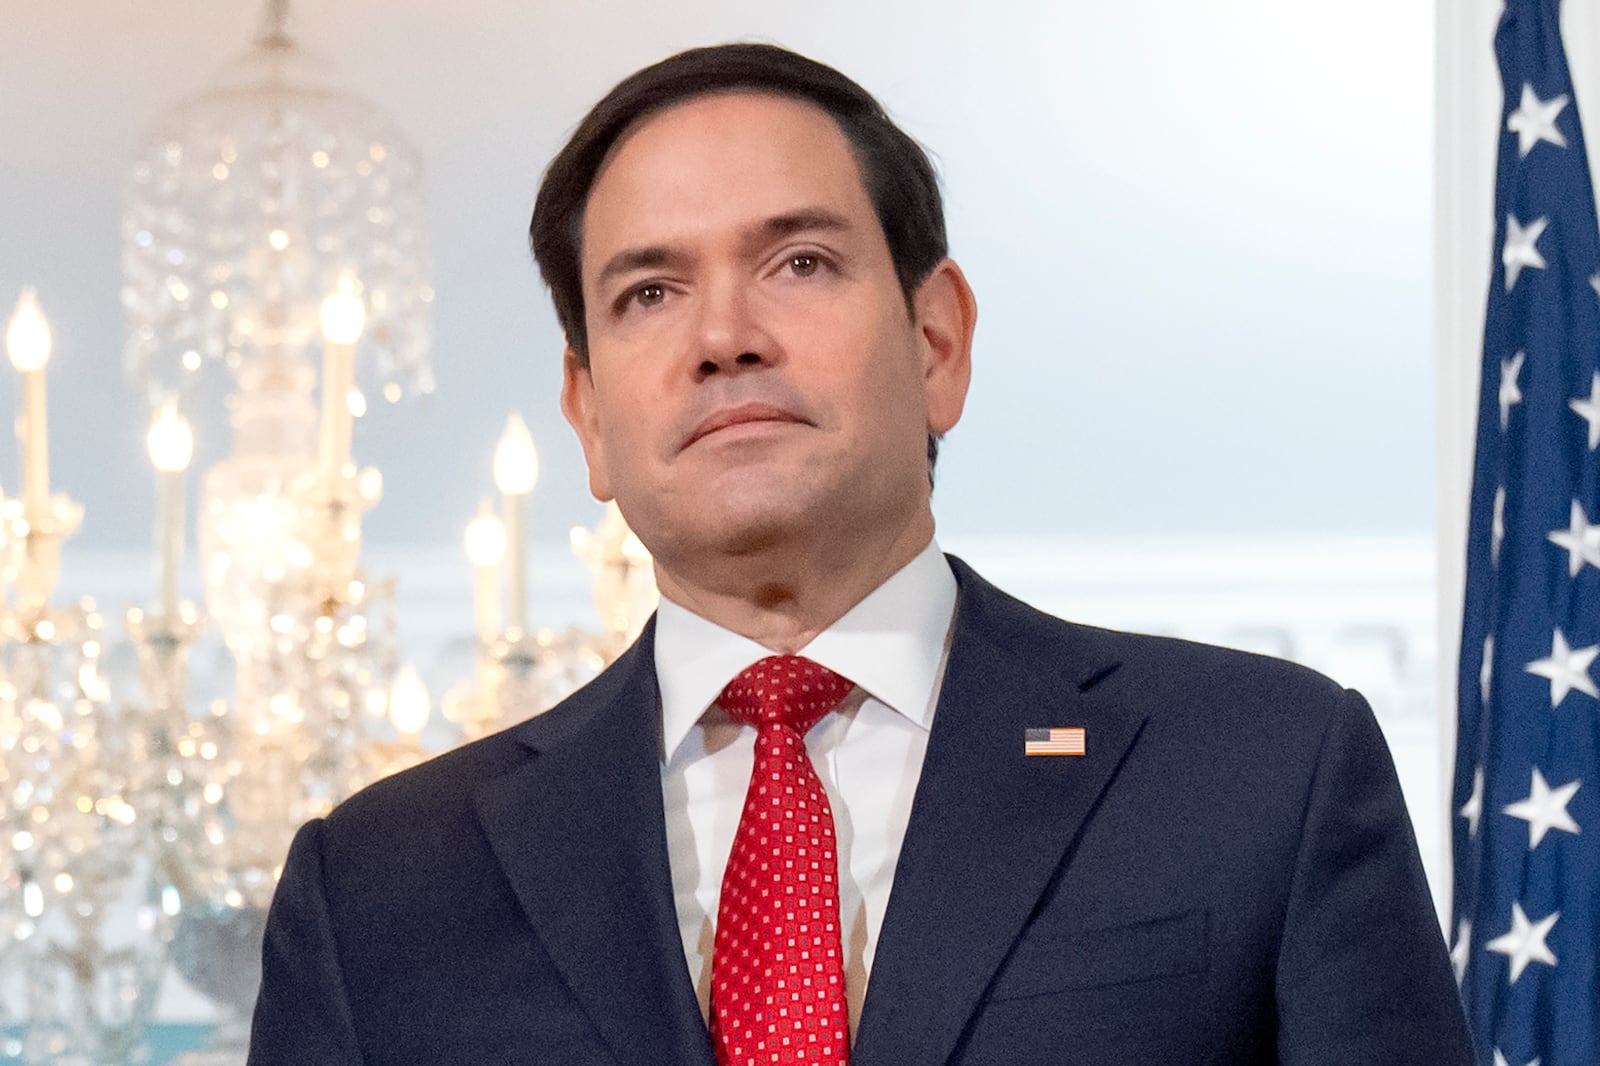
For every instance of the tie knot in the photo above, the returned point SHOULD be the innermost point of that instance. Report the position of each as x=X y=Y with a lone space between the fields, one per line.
x=786 y=689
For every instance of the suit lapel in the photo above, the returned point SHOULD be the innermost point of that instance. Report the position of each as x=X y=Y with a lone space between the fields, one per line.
x=578 y=829
x=989 y=827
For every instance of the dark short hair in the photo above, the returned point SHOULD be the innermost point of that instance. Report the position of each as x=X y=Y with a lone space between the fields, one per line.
x=897 y=174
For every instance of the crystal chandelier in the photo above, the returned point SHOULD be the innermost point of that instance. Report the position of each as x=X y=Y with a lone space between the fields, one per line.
x=248 y=204
x=121 y=796
x=274 y=222
x=73 y=774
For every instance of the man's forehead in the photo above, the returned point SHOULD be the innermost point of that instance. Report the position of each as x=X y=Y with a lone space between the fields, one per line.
x=729 y=154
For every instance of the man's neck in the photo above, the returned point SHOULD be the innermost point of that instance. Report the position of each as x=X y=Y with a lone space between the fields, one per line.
x=783 y=599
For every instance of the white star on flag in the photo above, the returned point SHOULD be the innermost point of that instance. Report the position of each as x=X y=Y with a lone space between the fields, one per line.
x=1500 y=1059
x=1589 y=409
x=1521 y=248
x=1510 y=393
x=1459 y=953
x=1486 y=671
x=1567 y=668
x=1580 y=539
x=1472 y=810
x=1545 y=809
x=1524 y=941
x=1497 y=525
x=1534 y=120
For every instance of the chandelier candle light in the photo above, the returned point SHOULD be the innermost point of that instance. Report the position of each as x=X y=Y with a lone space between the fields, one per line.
x=516 y=471
x=28 y=345
x=486 y=549
x=37 y=523
x=171 y=445
x=343 y=318
x=409 y=709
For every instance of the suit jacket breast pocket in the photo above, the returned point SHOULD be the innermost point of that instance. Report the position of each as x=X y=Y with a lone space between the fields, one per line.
x=1054 y=960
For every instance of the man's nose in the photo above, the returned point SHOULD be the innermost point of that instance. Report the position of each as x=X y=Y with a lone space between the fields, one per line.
x=731 y=335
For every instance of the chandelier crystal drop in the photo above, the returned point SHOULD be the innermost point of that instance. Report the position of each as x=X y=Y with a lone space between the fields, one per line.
x=248 y=203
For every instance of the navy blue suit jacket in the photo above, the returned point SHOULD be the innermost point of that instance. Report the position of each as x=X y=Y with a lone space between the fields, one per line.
x=1228 y=876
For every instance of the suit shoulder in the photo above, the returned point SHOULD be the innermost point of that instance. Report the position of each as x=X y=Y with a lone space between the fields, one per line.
x=1091 y=651
x=1210 y=667
x=436 y=795
x=1166 y=677
x=1249 y=717
x=432 y=789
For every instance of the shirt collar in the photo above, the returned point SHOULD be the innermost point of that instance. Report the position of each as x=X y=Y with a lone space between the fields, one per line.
x=892 y=644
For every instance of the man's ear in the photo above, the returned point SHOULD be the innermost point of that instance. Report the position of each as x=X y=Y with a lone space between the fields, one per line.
x=946 y=315
x=582 y=414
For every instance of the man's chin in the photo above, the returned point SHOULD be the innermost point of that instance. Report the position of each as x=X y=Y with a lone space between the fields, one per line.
x=751 y=531
x=747 y=525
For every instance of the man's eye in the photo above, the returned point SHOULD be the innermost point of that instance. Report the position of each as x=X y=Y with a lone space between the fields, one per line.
x=649 y=295
x=803 y=265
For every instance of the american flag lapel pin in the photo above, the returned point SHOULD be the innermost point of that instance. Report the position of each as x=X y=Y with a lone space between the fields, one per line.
x=1067 y=741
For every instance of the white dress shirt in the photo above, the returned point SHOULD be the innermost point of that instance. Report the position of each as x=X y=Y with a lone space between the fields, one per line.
x=893 y=645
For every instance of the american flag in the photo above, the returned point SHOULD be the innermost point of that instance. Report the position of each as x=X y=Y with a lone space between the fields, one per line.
x=1068 y=741
x=1526 y=925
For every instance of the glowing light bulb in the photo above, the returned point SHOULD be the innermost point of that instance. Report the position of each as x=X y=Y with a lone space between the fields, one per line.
x=409 y=702
x=170 y=440
x=369 y=483
x=486 y=539
x=344 y=315
x=28 y=334
x=516 y=463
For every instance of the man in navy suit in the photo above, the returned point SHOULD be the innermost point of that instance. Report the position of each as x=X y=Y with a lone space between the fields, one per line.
x=766 y=340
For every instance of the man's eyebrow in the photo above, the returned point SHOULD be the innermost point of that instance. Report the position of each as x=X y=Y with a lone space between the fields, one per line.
x=630 y=259
x=802 y=221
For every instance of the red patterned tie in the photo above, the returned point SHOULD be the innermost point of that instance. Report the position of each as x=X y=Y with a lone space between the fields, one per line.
x=777 y=970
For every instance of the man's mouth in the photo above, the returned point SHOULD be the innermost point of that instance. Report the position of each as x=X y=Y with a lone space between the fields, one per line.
x=740 y=415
